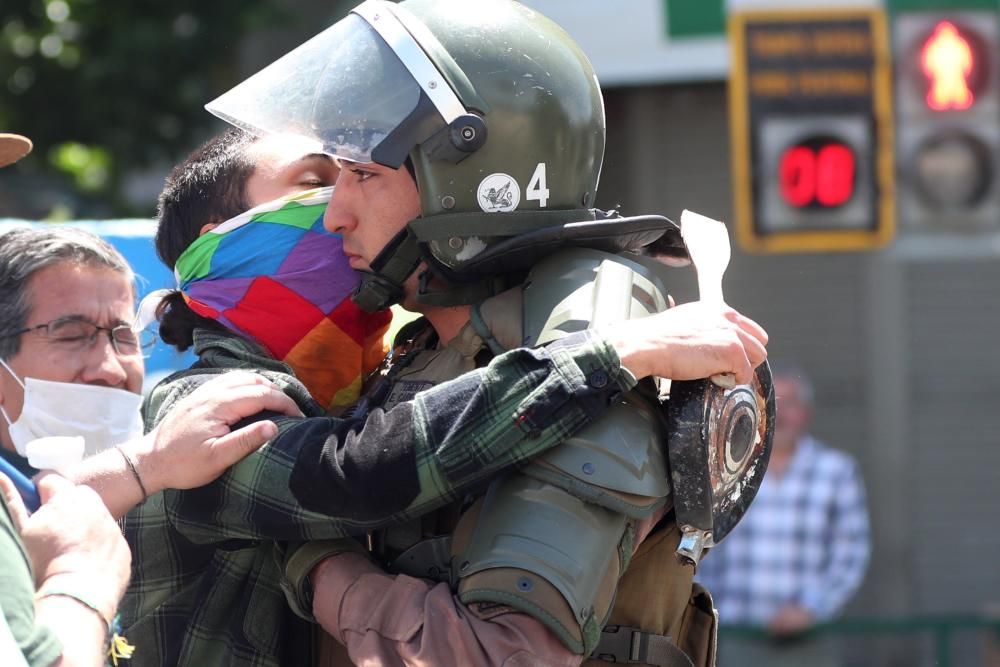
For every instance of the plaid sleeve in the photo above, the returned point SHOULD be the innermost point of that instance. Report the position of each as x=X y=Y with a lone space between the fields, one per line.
x=348 y=477
x=849 y=543
x=457 y=435
x=251 y=500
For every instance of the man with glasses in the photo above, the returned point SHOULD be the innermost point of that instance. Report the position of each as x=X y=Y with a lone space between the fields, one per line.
x=61 y=289
x=75 y=335
x=71 y=365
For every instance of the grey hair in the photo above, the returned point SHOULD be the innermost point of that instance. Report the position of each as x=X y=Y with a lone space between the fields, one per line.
x=26 y=251
x=807 y=392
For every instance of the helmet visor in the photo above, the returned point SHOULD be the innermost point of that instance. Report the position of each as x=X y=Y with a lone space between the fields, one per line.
x=345 y=87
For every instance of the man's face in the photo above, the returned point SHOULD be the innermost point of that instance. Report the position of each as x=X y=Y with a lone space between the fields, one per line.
x=370 y=205
x=792 y=412
x=284 y=165
x=97 y=294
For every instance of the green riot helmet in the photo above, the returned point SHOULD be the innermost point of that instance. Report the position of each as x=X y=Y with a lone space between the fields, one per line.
x=497 y=109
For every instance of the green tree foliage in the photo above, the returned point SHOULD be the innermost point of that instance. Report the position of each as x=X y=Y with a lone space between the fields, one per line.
x=105 y=86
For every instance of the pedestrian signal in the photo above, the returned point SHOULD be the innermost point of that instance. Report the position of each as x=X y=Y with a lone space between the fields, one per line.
x=948 y=120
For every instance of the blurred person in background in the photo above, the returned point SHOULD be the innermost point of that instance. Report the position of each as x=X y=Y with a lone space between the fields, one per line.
x=800 y=553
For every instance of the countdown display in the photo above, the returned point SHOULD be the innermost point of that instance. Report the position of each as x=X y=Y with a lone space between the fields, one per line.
x=817 y=173
x=811 y=120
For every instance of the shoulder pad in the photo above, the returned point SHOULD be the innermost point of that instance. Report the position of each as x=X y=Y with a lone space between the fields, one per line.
x=580 y=288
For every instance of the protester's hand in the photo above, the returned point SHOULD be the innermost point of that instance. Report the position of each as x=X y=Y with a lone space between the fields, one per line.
x=74 y=545
x=690 y=342
x=791 y=620
x=194 y=443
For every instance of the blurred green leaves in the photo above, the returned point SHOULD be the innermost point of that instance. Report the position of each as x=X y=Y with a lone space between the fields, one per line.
x=89 y=166
x=103 y=87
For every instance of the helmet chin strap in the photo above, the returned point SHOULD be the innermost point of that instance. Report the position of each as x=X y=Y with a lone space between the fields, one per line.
x=461 y=295
x=382 y=285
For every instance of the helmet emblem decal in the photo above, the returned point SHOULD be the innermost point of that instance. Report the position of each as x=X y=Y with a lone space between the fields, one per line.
x=498 y=193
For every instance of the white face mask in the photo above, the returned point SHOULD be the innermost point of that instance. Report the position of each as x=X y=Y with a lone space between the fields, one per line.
x=102 y=416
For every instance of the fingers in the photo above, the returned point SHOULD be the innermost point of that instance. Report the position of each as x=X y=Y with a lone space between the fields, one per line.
x=742 y=368
x=233 y=447
x=238 y=379
x=242 y=394
x=276 y=400
x=754 y=350
x=753 y=340
x=746 y=324
x=749 y=347
x=754 y=329
x=51 y=484
x=247 y=400
x=18 y=512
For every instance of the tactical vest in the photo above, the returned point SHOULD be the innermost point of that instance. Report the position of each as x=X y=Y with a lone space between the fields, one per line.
x=658 y=616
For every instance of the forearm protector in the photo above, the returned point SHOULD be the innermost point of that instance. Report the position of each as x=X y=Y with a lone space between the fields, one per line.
x=553 y=540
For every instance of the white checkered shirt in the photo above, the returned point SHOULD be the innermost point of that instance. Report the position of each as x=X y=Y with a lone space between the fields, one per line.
x=804 y=540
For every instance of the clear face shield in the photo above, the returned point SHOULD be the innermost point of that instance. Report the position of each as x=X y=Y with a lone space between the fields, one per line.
x=363 y=88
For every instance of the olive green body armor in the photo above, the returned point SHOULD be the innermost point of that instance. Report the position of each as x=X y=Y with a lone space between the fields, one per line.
x=554 y=539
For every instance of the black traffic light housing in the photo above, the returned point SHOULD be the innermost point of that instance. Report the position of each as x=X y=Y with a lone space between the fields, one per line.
x=948 y=120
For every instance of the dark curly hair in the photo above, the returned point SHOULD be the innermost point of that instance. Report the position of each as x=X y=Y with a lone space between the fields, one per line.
x=208 y=187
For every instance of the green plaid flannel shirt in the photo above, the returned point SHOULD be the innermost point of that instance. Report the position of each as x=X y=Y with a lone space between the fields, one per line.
x=205 y=586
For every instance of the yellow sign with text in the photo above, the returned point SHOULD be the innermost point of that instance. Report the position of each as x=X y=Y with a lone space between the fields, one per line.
x=811 y=125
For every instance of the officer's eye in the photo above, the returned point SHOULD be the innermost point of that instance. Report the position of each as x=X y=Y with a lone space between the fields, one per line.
x=362 y=174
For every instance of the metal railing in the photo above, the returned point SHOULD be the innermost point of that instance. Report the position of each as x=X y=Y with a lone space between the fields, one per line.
x=941 y=627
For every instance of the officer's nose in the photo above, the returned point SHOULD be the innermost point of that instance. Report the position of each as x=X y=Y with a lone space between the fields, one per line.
x=338 y=218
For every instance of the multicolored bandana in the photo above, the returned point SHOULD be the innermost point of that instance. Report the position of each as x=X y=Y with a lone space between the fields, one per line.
x=275 y=275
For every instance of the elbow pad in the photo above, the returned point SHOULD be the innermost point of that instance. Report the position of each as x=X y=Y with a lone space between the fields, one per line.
x=552 y=540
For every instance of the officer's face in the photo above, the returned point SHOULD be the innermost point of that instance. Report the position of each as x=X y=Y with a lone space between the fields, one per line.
x=370 y=205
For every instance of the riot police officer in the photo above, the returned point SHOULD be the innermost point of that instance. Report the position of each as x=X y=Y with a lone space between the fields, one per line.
x=471 y=137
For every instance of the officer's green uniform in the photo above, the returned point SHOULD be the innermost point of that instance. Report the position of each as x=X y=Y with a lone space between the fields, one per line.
x=499 y=117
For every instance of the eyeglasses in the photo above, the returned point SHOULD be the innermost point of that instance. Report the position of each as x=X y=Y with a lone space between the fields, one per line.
x=75 y=335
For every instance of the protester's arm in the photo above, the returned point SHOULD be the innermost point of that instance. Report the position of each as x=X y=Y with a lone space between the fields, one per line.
x=80 y=562
x=457 y=435
x=460 y=434
x=386 y=463
x=192 y=446
x=452 y=438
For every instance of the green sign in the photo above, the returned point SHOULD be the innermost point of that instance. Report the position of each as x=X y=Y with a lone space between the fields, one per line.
x=695 y=18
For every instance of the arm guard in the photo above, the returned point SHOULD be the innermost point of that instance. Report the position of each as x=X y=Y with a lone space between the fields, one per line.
x=552 y=540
